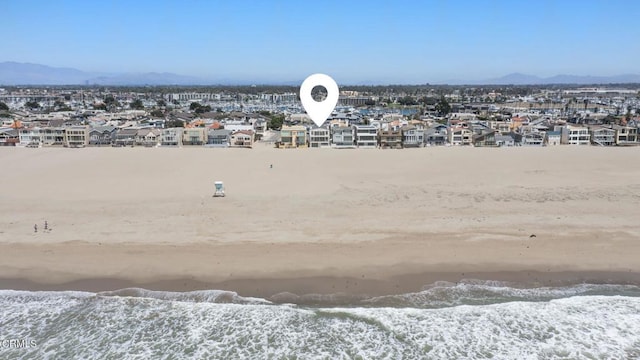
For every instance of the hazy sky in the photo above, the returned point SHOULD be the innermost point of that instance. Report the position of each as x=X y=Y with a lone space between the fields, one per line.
x=354 y=41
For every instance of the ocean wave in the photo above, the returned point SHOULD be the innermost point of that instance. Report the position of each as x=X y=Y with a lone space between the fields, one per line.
x=484 y=292
x=211 y=296
x=144 y=327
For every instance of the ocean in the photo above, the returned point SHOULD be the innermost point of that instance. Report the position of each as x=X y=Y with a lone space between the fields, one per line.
x=466 y=320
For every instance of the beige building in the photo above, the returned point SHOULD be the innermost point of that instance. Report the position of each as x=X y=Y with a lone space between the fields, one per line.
x=293 y=137
x=242 y=138
x=76 y=136
x=625 y=134
x=148 y=137
x=460 y=136
x=194 y=136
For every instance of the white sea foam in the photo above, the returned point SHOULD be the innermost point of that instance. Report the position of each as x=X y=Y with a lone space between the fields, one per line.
x=213 y=296
x=480 y=292
x=145 y=327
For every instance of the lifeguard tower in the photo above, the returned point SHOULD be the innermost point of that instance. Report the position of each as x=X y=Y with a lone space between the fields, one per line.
x=219 y=189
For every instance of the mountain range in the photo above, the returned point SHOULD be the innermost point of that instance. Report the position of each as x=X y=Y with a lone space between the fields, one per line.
x=14 y=73
x=524 y=79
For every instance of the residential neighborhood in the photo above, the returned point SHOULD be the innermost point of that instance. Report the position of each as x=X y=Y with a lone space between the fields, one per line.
x=369 y=118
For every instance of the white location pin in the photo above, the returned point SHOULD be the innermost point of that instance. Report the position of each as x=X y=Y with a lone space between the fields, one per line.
x=319 y=111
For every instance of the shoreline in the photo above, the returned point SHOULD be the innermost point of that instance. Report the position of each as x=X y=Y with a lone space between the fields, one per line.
x=326 y=290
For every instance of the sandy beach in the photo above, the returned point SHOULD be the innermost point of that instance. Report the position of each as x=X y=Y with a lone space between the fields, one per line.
x=318 y=221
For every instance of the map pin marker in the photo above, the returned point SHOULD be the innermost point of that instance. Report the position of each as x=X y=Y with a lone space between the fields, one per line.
x=319 y=111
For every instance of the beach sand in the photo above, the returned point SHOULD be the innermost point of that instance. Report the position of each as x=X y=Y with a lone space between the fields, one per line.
x=319 y=221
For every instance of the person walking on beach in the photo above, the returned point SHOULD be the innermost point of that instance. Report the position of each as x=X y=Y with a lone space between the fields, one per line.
x=35 y=228
x=46 y=226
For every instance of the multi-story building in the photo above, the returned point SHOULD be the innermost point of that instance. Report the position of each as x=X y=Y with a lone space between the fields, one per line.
x=8 y=137
x=126 y=137
x=102 y=135
x=366 y=136
x=192 y=96
x=602 y=136
x=553 y=138
x=148 y=137
x=576 y=135
x=171 y=137
x=485 y=138
x=625 y=134
x=342 y=137
x=460 y=136
x=30 y=136
x=532 y=138
x=319 y=138
x=293 y=137
x=412 y=136
x=194 y=136
x=390 y=139
x=76 y=136
x=242 y=138
x=53 y=136
x=219 y=138
x=436 y=135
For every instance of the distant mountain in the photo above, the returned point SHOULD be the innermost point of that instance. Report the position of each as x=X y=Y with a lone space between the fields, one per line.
x=524 y=79
x=515 y=79
x=14 y=73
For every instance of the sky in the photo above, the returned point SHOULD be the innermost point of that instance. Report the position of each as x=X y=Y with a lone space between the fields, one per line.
x=353 y=41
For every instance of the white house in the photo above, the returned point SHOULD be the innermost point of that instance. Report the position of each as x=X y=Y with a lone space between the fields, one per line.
x=30 y=136
x=553 y=138
x=242 y=138
x=366 y=136
x=576 y=135
x=171 y=137
x=319 y=138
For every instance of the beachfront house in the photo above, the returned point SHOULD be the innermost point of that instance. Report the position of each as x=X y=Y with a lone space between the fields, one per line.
x=553 y=138
x=194 y=136
x=126 y=137
x=219 y=138
x=436 y=135
x=412 y=136
x=9 y=137
x=319 y=138
x=293 y=137
x=390 y=139
x=505 y=140
x=31 y=137
x=242 y=138
x=52 y=136
x=260 y=126
x=625 y=135
x=532 y=138
x=102 y=135
x=171 y=136
x=602 y=136
x=460 y=135
x=342 y=137
x=76 y=136
x=575 y=135
x=486 y=138
x=366 y=136
x=148 y=137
